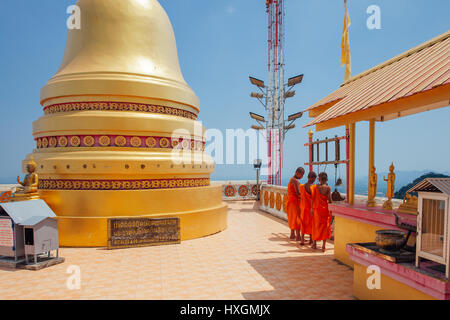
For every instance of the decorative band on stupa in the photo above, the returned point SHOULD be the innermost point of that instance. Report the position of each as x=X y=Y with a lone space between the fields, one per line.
x=119 y=106
x=106 y=141
x=142 y=184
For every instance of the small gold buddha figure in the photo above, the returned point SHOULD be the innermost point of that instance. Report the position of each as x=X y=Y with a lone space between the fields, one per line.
x=387 y=205
x=410 y=204
x=29 y=186
x=373 y=180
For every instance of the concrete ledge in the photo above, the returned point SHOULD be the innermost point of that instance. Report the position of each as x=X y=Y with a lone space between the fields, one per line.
x=9 y=263
x=43 y=262
x=374 y=216
x=404 y=273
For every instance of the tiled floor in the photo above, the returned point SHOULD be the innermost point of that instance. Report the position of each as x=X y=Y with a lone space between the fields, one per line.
x=252 y=259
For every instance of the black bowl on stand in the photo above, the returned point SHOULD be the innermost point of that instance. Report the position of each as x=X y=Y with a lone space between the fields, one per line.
x=390 y=241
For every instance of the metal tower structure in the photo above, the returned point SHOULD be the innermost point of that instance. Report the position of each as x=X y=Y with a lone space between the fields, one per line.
x=274 y=95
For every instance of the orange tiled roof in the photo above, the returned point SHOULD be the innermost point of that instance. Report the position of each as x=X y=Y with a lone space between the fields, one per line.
x=422 y=68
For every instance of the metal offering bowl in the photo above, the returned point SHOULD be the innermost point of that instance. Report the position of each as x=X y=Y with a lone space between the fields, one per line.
x=390 y=241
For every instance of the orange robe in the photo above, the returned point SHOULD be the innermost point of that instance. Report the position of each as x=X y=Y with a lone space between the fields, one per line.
x=321 y=229
x=305 y=210
x=293 y=207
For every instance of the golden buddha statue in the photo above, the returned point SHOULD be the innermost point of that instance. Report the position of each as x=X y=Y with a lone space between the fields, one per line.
x=29 y=186
x=387 y=205
x=373 y=180
x=410 y=204
x=119 y=137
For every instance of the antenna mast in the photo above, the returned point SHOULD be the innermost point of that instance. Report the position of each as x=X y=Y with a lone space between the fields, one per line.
x=275 y=92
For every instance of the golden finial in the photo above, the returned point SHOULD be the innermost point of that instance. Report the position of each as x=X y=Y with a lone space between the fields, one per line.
x=31 y=165
x=391 y=167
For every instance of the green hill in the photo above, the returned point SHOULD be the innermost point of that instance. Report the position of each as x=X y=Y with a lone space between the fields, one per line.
x=400 y=194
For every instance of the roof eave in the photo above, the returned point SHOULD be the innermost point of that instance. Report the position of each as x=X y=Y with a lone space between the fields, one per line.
x=438 y=97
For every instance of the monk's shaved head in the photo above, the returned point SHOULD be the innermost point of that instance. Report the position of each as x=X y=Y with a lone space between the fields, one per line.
x=299 y=173
x=323 y=176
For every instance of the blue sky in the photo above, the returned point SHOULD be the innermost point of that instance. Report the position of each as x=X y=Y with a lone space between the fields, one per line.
x=222 y=42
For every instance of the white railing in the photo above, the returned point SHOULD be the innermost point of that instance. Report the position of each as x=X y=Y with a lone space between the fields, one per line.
x=238 y=190
x=273 y=200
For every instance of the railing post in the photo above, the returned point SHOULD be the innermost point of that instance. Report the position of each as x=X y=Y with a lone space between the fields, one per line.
x=347 y=155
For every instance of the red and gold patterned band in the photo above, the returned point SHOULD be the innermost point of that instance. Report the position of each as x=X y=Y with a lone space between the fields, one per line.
x=118 y=106
x=88 y=141
x=5 y=196
x=243 y=190
x=146 y=184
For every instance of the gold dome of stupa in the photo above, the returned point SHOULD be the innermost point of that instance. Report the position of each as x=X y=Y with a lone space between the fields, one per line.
x=119 y=136
x=122 y=48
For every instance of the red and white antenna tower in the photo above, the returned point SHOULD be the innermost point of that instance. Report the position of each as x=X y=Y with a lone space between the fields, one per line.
x=275 y=93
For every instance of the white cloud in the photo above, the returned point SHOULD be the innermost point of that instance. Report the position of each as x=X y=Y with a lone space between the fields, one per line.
x=230 y=10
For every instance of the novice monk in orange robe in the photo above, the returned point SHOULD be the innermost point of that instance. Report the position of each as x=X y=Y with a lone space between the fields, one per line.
x=293 y=204
x=322 y=218
x=306 y=214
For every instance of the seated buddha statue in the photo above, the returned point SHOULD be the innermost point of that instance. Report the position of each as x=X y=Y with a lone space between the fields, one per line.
x=29 y=186
x=409 y=205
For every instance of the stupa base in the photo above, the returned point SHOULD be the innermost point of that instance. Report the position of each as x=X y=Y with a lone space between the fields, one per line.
x=201 y=212
x=92 y=232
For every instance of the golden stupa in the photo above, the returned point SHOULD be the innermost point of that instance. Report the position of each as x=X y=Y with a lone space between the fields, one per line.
x=119 y=137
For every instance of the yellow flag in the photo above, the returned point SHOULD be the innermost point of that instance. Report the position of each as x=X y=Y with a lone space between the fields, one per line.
x=345 y=46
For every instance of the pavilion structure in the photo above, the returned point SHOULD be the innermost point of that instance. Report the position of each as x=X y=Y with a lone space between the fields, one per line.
x=413 y=82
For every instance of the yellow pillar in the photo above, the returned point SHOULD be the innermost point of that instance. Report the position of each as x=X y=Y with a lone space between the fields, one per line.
x=372 y=177
x=351 y=178
x=371 y=146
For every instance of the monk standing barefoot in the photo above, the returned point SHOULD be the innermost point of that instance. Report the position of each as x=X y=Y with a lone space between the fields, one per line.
x=306 y=207
x=322 y=218
x=293 y=204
